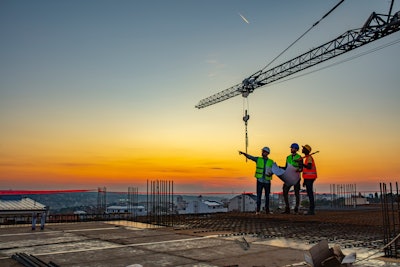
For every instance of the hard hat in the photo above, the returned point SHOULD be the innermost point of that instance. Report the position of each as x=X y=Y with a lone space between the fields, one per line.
x=307 y=147
x=295 y=146
x=266 y=149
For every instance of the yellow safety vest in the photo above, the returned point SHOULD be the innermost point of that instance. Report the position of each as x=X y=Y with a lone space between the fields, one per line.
x=260 y=168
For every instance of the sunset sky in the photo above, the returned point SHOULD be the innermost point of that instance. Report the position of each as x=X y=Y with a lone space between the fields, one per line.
x=100 y=93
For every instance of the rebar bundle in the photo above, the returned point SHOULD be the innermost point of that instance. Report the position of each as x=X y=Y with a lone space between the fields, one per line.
x=390 y=215
x=160 y=202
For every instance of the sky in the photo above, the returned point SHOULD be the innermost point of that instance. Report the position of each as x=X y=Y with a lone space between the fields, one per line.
x=101 y=93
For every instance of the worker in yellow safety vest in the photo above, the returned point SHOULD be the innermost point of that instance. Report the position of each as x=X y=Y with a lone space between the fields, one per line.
x=309 y=176
x=263 y=175
x=296 y=161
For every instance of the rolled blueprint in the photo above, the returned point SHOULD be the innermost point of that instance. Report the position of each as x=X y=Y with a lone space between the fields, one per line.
x=290 y=176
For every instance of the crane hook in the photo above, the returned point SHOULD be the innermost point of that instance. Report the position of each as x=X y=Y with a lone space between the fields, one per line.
x=246 y=117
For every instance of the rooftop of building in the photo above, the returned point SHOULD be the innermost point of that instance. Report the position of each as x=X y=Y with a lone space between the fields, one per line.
x=232 y=239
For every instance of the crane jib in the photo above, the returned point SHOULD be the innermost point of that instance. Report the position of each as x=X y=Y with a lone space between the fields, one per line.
x=376 y=27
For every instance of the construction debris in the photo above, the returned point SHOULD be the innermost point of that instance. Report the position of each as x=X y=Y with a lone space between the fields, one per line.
x=32 y=261
x=321 y=255
x=243 y=243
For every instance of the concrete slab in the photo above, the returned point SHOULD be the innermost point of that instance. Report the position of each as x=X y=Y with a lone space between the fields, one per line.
x=99 y=244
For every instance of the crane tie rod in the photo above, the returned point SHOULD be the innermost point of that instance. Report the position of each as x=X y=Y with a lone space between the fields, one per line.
x=301 y=36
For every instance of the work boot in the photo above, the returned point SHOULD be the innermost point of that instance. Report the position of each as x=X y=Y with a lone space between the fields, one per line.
x=287 y=211
x=296 y=210
x=267 y=211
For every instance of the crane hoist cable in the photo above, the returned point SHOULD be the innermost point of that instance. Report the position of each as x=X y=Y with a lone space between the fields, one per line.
x=245 y=94
x=246 y=117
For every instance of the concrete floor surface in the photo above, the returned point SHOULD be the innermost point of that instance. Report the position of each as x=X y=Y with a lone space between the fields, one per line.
x=122 y=243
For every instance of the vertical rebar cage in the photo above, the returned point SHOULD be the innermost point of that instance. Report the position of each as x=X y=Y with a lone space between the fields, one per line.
x=390 y=216
x=160 y=202
x=101 y=200
x=133 y=202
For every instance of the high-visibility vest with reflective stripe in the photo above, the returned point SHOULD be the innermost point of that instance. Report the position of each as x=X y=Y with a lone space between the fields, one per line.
x=260 y=168
x=309 y=173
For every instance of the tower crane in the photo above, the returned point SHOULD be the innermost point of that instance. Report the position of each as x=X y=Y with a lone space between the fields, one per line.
x=376 y=27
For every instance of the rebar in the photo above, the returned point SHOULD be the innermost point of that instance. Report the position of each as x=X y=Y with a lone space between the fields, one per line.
x=160 y=205
x=101 y=200
x=390 y=219
x=133 y=202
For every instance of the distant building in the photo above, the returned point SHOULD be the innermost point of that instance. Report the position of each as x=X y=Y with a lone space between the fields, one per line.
x=243 y=203
x=137 y=210
x=16 y=204
x=80 y=212
x=324 y=196
x=201 y=206
x=292 y=198
x=181 y=204
x=16 y=208
x=356 y=201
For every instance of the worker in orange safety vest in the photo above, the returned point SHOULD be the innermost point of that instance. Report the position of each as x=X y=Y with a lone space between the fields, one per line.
x=309 y=176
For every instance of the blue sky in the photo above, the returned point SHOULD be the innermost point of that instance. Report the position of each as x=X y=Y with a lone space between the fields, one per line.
x=89 y=81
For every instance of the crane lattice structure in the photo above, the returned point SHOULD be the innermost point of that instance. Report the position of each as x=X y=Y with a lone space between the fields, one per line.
x=376 y=27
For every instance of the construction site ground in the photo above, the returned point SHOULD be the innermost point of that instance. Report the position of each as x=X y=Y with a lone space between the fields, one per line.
x=229 y=239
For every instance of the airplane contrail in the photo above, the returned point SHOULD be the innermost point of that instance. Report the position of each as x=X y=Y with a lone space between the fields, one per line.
x=245 y=20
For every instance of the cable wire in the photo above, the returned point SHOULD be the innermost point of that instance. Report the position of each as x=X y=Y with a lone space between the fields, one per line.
x=246 y=117
x=301 y=36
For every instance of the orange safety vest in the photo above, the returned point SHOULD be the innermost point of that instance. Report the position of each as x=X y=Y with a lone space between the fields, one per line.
x=309 y=173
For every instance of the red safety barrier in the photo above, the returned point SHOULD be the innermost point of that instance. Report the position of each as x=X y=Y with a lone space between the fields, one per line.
x=41 y=192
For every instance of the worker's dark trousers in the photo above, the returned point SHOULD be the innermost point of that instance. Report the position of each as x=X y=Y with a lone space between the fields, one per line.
x=310 y=192
x=34 y=218
x=267 y=188
x=296 y=193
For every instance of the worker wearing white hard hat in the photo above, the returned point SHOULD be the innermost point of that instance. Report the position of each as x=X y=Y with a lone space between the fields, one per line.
x=266 y=149
x=263 y=174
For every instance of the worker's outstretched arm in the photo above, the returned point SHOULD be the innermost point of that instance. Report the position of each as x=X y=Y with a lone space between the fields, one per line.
x=248 y=156
x=243 y=153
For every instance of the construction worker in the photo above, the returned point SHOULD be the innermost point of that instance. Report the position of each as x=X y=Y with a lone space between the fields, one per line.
x=309 y=176
x=42 y=220
x=296 y=161
x=34 y=219
x=263 y=175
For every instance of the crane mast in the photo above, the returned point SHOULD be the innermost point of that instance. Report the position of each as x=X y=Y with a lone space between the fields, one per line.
x=376 y=27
